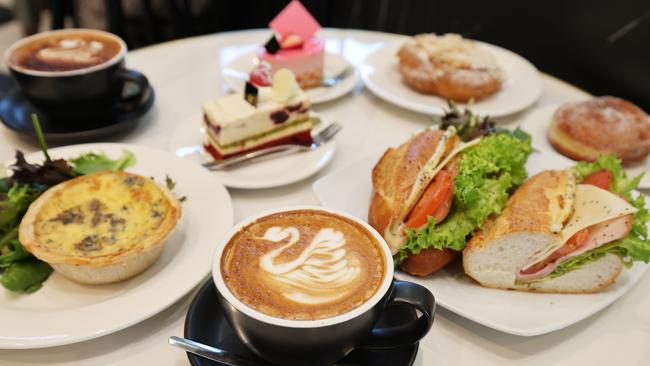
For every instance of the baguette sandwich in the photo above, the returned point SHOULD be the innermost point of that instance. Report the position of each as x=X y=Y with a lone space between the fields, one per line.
x=434 y=190
x=563 y=231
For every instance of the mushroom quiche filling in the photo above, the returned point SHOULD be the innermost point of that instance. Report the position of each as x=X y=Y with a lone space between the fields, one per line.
x=80 y=221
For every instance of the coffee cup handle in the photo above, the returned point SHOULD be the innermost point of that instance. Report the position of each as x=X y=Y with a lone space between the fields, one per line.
x=412 y=295
x=128 y=99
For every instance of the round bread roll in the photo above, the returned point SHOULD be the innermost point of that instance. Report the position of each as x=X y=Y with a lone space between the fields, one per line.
x=449 y=66
x=604 y=125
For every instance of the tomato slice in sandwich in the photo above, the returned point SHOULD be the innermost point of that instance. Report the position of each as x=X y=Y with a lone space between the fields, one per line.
x=435 y=201
x=601 y=179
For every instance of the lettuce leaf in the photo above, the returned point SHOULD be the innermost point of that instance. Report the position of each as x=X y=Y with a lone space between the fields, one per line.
x=93 y=162
x=487 y=174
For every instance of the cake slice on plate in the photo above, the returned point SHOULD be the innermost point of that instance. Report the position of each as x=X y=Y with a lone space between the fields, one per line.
x=261 y=117
x=294 y=46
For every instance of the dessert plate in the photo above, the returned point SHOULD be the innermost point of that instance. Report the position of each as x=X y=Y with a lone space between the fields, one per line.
x=236 y=74
x=187 y=142
x=526 y=314
x=64 y=312
x=206 y=324
x=536 y=124
x=522 y=85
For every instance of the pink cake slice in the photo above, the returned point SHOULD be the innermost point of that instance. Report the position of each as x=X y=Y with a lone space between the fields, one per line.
x=306 y=62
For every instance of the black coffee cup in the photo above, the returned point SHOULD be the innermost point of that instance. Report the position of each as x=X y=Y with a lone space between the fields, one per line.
x=78 y=94
x=324 y=341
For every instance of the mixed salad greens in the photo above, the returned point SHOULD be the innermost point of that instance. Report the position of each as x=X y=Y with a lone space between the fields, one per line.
x=488 y=173
x=634 y=247
x=19 y=270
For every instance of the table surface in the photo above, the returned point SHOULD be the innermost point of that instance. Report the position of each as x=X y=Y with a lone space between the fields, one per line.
x=186 y=73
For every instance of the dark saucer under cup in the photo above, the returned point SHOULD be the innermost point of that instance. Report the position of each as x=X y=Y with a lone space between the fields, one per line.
x=16 y=111
x=205 y=323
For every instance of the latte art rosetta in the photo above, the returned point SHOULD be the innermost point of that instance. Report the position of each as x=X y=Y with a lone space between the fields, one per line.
x=321 y=273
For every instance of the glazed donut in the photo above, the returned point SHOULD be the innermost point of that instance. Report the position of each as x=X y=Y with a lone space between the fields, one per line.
x=585 y=130
x=449 y=66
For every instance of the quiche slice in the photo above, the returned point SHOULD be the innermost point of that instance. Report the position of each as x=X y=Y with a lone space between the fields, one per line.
x=100 y=228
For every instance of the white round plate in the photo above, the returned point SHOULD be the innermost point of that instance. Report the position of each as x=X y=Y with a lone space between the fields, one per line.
x=522 y=85
x=64 y=312
x=536 y=124
x=236 y=74
x=187 y=142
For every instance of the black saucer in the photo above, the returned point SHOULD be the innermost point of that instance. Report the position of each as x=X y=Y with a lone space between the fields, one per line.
x=205 y=323
x=16 y=111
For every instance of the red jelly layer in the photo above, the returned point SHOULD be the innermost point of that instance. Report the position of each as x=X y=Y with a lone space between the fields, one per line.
x=300 y=138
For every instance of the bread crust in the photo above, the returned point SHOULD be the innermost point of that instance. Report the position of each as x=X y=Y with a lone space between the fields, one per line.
x=394 y=175
x=534 y=208
x=448 y=66
x=604 y=125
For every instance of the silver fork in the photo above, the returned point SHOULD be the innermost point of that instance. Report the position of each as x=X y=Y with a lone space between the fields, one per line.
x=330 y=81
x=322 y=137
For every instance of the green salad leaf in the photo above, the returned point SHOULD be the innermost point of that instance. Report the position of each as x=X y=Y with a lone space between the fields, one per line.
x=621 y=184
x=97 y=162
x=487 y=174
x=634 y=247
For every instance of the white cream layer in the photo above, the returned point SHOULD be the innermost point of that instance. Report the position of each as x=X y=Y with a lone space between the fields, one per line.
x=238 y=120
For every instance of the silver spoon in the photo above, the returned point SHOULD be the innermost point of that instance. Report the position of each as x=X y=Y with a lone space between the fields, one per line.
x=212 y=353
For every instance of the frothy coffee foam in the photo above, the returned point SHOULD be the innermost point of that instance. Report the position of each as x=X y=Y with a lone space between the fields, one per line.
x=323 y=272
x=73 y=51
x=65 y=50
x=303 y=265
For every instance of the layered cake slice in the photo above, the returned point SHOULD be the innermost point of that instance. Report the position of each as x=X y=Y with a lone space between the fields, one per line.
x=261 y=117
x=295 y=46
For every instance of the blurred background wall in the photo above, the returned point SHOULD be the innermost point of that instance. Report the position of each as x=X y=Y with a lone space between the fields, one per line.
x=602 y=46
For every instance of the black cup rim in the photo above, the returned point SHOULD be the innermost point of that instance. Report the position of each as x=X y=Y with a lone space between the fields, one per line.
x=86 y=70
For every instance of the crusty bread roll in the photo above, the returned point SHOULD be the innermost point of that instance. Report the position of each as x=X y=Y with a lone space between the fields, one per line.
x=393 y=178
x=504 y=245
x=449 y=66
x=395 y=194
x=585 y=130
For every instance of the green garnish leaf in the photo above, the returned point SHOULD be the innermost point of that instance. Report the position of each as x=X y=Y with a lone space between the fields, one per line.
x=89 y=163
x=169 y=182
x=40 y=137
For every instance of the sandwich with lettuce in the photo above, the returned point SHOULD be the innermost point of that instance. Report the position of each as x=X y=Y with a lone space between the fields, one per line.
x=433 y=191
x=564 y=231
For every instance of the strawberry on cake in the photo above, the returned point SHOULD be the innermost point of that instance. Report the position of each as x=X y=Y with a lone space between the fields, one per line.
x=294 y=46
x=262 y=117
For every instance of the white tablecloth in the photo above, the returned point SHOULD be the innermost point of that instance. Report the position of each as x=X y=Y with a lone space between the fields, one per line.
x=186 y=73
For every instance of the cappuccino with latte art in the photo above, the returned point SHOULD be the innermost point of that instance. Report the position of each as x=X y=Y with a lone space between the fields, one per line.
x=303 y=265
x=66 y=51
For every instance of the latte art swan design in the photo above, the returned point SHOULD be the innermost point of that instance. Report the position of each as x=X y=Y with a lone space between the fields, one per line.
x=323 y=272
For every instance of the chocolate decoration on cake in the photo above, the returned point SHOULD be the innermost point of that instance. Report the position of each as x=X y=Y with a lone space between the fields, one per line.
x=250 y=94
x=272 y=46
